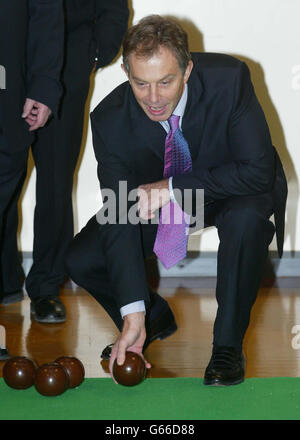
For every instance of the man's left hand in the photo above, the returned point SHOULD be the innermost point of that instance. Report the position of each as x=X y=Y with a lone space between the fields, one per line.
x=35 y=114
x=152 y=196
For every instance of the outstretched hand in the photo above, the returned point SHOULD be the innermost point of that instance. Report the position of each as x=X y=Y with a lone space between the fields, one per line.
x=35 y=114
x=132 y=338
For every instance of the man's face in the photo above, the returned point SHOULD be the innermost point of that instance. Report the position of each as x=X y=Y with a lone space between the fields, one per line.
x=157 y=82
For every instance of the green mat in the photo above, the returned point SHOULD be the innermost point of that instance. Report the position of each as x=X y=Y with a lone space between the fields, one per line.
x=158 y=399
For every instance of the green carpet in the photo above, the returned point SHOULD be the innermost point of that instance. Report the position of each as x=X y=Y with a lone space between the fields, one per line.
x=158 y=399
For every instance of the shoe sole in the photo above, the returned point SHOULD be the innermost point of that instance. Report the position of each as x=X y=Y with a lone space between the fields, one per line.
x=4 y=358
x=164 y=334
x=12 y=299
x=160 y=336
x=47 y=320
x=220 y=383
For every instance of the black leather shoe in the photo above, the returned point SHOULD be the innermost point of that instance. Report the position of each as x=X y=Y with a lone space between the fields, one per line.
x=160 y=323
x=11 y=297
x=4 y=355
x=48 y=310
x=226 y=367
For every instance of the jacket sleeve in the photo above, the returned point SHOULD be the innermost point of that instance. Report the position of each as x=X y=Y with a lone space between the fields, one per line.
x=251 y=170
x=45 y=51
x=121 y=240
x=110 y=27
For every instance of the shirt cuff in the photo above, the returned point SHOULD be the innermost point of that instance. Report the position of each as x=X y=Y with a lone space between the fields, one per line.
x=137 y=306
x=171 y=190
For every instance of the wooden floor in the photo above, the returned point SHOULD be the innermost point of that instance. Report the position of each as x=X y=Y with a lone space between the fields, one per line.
x=269 y=345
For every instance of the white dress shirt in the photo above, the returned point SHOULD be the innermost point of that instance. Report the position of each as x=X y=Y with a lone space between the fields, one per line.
x=139 y=306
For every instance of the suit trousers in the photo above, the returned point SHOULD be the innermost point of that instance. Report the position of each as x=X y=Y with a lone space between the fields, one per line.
x=245 y=232
x=12 y=175
x=55 y=152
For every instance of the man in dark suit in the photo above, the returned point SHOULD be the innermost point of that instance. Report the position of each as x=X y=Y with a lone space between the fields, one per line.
x=94 y=32
x=223 y=141
x=31 y=51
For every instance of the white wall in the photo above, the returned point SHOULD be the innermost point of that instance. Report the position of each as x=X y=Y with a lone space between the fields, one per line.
x=265 y=34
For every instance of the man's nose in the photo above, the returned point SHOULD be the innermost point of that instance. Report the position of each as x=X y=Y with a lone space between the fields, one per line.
x=153 y=94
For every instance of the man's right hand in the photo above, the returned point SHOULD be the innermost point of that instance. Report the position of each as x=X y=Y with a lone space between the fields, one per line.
x=132 y=338
x=35 y=114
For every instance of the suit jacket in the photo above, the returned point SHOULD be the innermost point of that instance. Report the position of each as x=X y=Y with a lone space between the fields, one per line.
x=99 y=23
x=31 y=50
x=229 y=140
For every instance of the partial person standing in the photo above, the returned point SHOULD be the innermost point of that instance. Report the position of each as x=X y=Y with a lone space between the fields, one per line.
x=94 y=30
x=31 y=52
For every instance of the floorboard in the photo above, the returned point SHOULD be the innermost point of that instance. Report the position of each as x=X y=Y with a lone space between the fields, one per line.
x=272 y=345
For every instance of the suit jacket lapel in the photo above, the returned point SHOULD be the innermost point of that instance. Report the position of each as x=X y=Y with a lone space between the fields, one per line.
x=194 y=115
x=149 y=134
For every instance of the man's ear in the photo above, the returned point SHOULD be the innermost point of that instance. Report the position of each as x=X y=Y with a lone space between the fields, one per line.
x=188 y=71
x=124 y=70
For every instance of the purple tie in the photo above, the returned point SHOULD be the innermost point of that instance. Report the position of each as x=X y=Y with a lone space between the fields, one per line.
x=172 y=234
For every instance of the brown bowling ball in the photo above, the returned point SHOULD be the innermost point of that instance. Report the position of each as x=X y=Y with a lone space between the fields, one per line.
x=19 y=372
x=51 y=379
x=75 y=369
x=132 y=372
